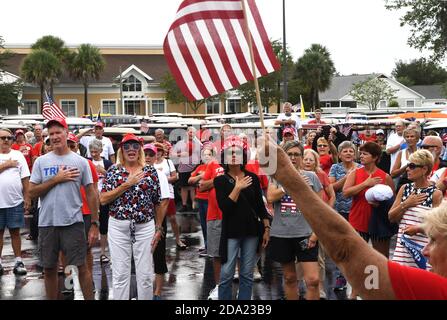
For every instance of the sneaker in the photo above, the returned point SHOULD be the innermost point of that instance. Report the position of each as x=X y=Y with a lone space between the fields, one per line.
x=202 y=249
x=19 y=269
x=257 y=276
x=214 y=293
x=340 y=284
x=2 y=270
x=156 y=297
x=236 y=275
x=183 y=209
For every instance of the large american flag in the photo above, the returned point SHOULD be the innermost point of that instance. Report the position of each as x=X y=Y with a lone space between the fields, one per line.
x=50 y=109
x=207 y=49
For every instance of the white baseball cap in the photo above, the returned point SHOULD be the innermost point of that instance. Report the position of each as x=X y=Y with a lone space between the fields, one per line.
x=378 y=193
x=380 y=131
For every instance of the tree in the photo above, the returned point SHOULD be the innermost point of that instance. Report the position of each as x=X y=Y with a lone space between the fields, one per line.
x=315 y=69
x=41 y=68
x=175 y=95
x=419 y=72
x=371 y=91
x=9 y=92
x=86 y=64
x=270 y=85
x=428 y=22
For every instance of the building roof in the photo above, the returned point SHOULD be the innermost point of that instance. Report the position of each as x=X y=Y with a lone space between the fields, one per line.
x=342 y=85
x=430 y=92
x=153 y=65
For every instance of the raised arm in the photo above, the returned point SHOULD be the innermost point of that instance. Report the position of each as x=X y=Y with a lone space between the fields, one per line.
x=349 y=251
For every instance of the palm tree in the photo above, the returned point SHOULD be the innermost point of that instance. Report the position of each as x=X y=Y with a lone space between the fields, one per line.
x=86 y=64
x=56 y=46
x=315 y=69
x=41 y=68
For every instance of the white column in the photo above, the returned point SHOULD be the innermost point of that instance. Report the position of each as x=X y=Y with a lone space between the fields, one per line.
x=147 y=107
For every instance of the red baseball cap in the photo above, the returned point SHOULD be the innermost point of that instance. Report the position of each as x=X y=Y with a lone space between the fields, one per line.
x=72 y=137
x=99 y=124
x=19 y=131
x=130 y=137
x=60 y=121
x=234 y=141
x=150 y=146
x=288 y=131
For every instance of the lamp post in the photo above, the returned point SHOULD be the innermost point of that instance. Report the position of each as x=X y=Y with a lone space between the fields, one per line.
x=284 y=52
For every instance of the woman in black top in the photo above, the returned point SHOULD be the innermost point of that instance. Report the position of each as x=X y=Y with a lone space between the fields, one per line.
x=244 y=219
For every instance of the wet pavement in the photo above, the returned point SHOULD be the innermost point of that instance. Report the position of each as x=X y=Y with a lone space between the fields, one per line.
x=190 y=277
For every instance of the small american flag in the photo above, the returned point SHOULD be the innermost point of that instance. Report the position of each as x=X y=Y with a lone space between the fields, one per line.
x=287 y=205
x=50 y=109
x=207 y=48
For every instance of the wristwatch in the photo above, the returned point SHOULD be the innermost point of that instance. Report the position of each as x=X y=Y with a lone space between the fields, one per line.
x=96 y=223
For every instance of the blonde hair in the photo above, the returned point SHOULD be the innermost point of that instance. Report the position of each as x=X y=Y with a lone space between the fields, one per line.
x=423 y=158
x=414 y=130
x=435 y=221
x=121 y=162
x=315 y=155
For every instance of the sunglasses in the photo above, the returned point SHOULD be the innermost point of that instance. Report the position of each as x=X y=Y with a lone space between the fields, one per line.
x=9 y=138
x=134 y=145
x=294 y=155
x=149 y=154
x=413 y=166
x=322 y=145
x=428 y=146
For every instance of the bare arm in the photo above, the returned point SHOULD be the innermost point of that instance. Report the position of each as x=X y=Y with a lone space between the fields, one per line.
x=331 y=194
x=63 y=175
x=206 y=185
x=338 y=185
x=397 y=170
x=274 y=194
x=347 y=249
x=26 y=197
x=394 y=149
x=398 y=208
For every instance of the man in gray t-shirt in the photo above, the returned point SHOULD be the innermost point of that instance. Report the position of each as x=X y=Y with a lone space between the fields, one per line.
x=57 y=178
x=288 y=221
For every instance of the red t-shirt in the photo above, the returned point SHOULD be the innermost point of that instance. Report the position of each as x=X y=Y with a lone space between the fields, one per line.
x=326 y=163
x=371 y=138
x=213 y=169
x=315 y=122
x=416 y=284
x=322 y=176
x=27 y=150
x=85 y=208
x=37 y=149
x=361 y=210
x=200 y=195
x=307 y=147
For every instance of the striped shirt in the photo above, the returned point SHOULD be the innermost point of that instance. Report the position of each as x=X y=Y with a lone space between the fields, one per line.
x=413 y=216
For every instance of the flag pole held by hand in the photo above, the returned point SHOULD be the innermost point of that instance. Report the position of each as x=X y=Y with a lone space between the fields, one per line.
x=253 y=66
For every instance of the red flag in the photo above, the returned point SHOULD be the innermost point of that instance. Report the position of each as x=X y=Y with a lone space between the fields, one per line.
x=207 y=49
x=50 y=109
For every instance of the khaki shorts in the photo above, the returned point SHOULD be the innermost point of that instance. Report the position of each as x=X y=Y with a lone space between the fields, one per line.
x=70 y=240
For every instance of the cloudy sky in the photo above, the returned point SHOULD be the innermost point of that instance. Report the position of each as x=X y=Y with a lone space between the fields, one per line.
x=361 y=35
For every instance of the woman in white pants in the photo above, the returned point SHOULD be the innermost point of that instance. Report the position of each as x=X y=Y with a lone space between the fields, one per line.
x=132 y=190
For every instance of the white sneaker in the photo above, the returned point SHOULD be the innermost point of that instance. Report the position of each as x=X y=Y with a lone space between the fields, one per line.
x=214 y=293
x=257 y=275
x=236 y=275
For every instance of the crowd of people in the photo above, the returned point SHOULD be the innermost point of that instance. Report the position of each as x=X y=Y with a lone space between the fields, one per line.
x=336 y=193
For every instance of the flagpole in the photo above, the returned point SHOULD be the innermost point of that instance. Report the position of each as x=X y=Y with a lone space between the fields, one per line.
x=253 y=66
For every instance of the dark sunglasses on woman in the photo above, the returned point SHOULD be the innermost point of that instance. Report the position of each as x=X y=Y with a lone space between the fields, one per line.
x=132 y=145
x=413 y=166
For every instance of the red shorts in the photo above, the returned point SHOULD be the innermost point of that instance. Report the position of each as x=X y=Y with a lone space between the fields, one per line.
x=172 y=209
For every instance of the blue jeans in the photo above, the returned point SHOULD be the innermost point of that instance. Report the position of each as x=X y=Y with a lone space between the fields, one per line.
x=203 y=208
x=247 y=246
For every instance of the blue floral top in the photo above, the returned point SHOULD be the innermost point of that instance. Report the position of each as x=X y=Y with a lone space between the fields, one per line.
x=342 y=204
x=138 y=203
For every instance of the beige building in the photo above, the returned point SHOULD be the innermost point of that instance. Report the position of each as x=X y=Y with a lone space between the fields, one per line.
x=140 y=68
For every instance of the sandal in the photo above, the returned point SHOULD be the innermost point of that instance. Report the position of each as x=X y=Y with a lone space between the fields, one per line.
x=104 y=259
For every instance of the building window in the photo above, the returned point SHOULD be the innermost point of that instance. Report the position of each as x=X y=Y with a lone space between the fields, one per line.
x=30 y=107
x=234 y=105
x=382 y=104
x=109 y=106
x=213 y=106
x=131 y=107
x=132 y=84
x=410 y=103
x=69 y=107
x=158 y=106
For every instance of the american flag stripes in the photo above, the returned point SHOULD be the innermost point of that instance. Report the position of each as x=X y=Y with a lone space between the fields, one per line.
x=207 y=49
x=50 y=109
